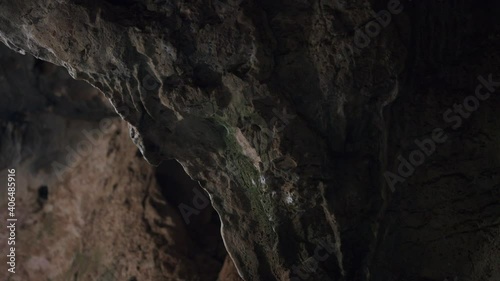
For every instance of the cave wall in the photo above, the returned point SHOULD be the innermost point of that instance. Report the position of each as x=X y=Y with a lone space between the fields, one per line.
x=89 y=207
x=290 y=119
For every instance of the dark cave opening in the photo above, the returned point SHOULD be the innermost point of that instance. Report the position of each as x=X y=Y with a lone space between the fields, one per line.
x=193 y=205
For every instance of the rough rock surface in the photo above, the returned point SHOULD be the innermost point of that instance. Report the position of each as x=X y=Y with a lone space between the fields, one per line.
x=88 y=206
x=290 y=134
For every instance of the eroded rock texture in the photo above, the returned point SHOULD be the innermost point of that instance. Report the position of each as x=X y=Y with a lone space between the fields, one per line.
x=291 y=134
x=88 y=206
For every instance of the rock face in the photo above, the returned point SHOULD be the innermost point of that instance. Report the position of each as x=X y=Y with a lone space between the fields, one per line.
x=301 y=118
x=88 y=206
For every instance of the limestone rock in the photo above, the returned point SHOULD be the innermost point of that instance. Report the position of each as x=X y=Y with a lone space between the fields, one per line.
x=229 y=88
